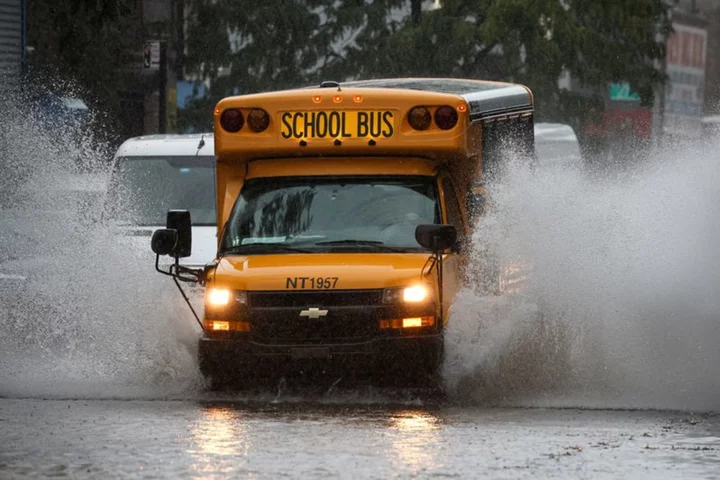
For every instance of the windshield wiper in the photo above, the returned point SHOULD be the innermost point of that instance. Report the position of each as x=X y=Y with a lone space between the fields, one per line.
x=349 y=242
x=254 y=247
x=364 y=243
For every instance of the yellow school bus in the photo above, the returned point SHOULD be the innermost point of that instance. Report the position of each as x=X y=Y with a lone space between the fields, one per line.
x=344 y=214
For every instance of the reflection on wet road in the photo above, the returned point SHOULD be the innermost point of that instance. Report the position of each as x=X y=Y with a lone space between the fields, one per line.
x=240 y=438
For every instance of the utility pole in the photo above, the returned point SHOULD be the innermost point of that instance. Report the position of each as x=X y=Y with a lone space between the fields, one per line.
x=160 y=71
x=162 y=90
x=658 y=121
x=415 y=11
x=659 y=114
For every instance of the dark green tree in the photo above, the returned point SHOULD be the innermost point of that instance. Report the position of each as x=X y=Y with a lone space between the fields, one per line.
x=257 y=45
x=528 y=41
x=85 y=47
x=84 y=42
x=253 y=46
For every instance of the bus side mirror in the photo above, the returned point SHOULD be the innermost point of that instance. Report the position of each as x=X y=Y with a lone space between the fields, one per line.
x=436 y=237
x=164 y=241
x=179 y=220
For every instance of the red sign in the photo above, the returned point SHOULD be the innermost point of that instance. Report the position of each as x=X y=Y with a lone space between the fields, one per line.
x=634 y=122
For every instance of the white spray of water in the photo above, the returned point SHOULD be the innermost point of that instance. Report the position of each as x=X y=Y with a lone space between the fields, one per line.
x=82 y=311
x=626 y=274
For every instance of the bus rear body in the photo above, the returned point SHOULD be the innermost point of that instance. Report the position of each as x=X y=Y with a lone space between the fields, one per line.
x=338 y=209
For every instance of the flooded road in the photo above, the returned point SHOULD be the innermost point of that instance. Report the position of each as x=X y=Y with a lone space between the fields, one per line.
x=98 y=375
x=234 y=438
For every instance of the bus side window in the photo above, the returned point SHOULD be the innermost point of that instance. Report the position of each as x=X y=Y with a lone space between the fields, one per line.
x=454 y=215
x=476 y=203
x=504 y=140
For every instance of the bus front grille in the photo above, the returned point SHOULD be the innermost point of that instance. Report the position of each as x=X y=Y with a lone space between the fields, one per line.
x=319 y=299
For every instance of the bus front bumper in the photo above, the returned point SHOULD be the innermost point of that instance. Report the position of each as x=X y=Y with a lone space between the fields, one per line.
x=226 y=355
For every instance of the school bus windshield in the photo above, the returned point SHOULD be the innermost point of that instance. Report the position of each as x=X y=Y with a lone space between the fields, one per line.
x=348 y=214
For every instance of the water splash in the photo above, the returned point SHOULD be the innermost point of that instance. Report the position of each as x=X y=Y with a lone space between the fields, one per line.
x=82 y=312
x=625 y=276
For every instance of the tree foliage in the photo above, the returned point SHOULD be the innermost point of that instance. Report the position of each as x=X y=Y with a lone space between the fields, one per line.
x=527 y=41
x=250 y=46
x=256 y=45
x=84 y=45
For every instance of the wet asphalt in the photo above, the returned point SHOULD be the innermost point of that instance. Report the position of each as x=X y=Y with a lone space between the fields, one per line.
x=229 y=435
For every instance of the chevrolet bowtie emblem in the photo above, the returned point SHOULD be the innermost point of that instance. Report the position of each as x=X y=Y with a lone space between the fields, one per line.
x=313 y=313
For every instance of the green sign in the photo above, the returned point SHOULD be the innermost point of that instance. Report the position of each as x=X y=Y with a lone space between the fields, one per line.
x=622 y=93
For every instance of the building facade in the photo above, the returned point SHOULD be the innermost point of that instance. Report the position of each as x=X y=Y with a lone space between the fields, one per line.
x=691 y=92
x=12 y=43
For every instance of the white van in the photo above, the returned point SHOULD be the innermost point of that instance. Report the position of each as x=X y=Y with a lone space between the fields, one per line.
x=156 y=173
x=711 y=127
x=557 y=146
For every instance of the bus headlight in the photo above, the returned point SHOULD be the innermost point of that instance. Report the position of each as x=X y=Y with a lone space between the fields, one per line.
x=225 y=311
x=414 y=294
x=217 y=297
x=220 y=297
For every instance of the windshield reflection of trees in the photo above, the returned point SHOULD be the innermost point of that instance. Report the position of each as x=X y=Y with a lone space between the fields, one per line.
x=305 y=213
x=289 y=214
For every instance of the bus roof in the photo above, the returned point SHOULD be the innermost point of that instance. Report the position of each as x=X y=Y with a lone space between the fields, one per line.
x=289 y=114
x=167 y=145
x=485 y=98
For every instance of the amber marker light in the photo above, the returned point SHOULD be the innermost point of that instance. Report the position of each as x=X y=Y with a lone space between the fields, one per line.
x=218 y=297
x=462 y=108
x=226 y=326
x=403 y=323
x=357 y=98
x=417 y=322
x=412 y=322
x=317 y=98
x=337 y=98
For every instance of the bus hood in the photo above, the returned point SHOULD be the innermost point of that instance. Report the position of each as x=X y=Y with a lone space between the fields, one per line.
x=319 y=270
x=204 y=243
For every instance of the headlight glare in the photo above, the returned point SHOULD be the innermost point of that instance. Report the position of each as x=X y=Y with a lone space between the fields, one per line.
x=222 y=297
x=414 y=294
x=218 y=297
